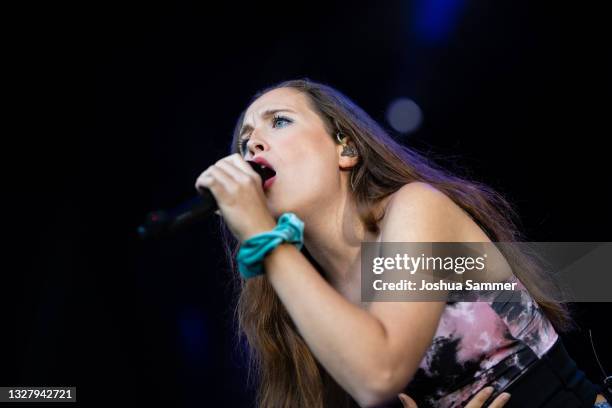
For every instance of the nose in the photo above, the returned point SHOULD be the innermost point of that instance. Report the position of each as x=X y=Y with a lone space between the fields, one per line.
x=255 y=144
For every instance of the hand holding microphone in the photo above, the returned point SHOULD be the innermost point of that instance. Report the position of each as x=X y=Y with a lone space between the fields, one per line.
x=234 y=187
x=238 y=191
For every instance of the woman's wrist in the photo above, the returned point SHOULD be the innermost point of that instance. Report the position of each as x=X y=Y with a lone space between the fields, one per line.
x=260 y=227
x=258 y=244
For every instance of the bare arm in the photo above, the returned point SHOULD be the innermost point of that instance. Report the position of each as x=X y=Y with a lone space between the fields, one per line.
x=347 y=340
x=372 y=354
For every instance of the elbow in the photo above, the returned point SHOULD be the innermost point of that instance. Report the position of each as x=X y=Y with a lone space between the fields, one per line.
x=380 y=390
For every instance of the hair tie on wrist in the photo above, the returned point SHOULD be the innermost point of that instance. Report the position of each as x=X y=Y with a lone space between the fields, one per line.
x=289 y=228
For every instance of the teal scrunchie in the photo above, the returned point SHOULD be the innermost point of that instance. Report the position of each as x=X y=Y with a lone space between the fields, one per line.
x=289 y=228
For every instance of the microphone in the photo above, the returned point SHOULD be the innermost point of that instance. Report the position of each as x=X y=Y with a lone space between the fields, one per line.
x=163 y=223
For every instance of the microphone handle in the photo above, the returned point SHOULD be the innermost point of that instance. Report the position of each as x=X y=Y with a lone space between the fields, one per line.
x=200 y=207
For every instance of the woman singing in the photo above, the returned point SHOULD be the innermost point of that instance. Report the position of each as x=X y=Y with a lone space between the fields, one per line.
x=341 y=180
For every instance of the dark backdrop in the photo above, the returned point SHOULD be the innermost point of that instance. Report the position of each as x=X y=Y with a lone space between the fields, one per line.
x=115 y=108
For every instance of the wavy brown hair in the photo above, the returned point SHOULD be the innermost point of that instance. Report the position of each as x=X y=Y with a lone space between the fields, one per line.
x=280 y=365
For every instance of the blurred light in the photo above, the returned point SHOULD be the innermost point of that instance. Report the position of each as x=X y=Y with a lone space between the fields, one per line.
x=434 y=20
x=404 y=115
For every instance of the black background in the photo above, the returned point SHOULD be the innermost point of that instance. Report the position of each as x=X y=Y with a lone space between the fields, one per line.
x=114 y=109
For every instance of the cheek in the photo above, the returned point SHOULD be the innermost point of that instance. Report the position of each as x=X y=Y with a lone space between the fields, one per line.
x=311 y=177
x=310 y=161
x=310 y=171
x=301 y=152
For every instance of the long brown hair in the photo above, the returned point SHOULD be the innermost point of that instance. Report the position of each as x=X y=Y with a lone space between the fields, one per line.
x=281 y=366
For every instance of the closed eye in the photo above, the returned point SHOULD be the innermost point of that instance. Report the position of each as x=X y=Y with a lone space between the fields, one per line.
x=276 y=119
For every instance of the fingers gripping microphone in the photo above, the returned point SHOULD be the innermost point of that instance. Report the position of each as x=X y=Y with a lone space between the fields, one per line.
x=162 y=223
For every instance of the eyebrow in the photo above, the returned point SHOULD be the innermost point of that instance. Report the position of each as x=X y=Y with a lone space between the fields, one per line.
x=264 y=115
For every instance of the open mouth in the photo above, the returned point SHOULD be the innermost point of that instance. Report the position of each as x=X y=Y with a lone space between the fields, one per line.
x=269 y=182
x=266 y=173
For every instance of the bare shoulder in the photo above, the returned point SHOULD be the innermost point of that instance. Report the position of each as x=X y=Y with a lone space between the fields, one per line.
x=419 y=212
x=419 y=195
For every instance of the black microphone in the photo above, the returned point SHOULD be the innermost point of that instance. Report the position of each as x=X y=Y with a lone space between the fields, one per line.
x=163 y=223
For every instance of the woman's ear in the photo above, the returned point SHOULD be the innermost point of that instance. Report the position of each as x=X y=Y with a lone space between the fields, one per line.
x=347 y=152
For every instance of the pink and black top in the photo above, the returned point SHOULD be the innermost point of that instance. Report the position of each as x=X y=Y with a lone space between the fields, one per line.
x=496 y=343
